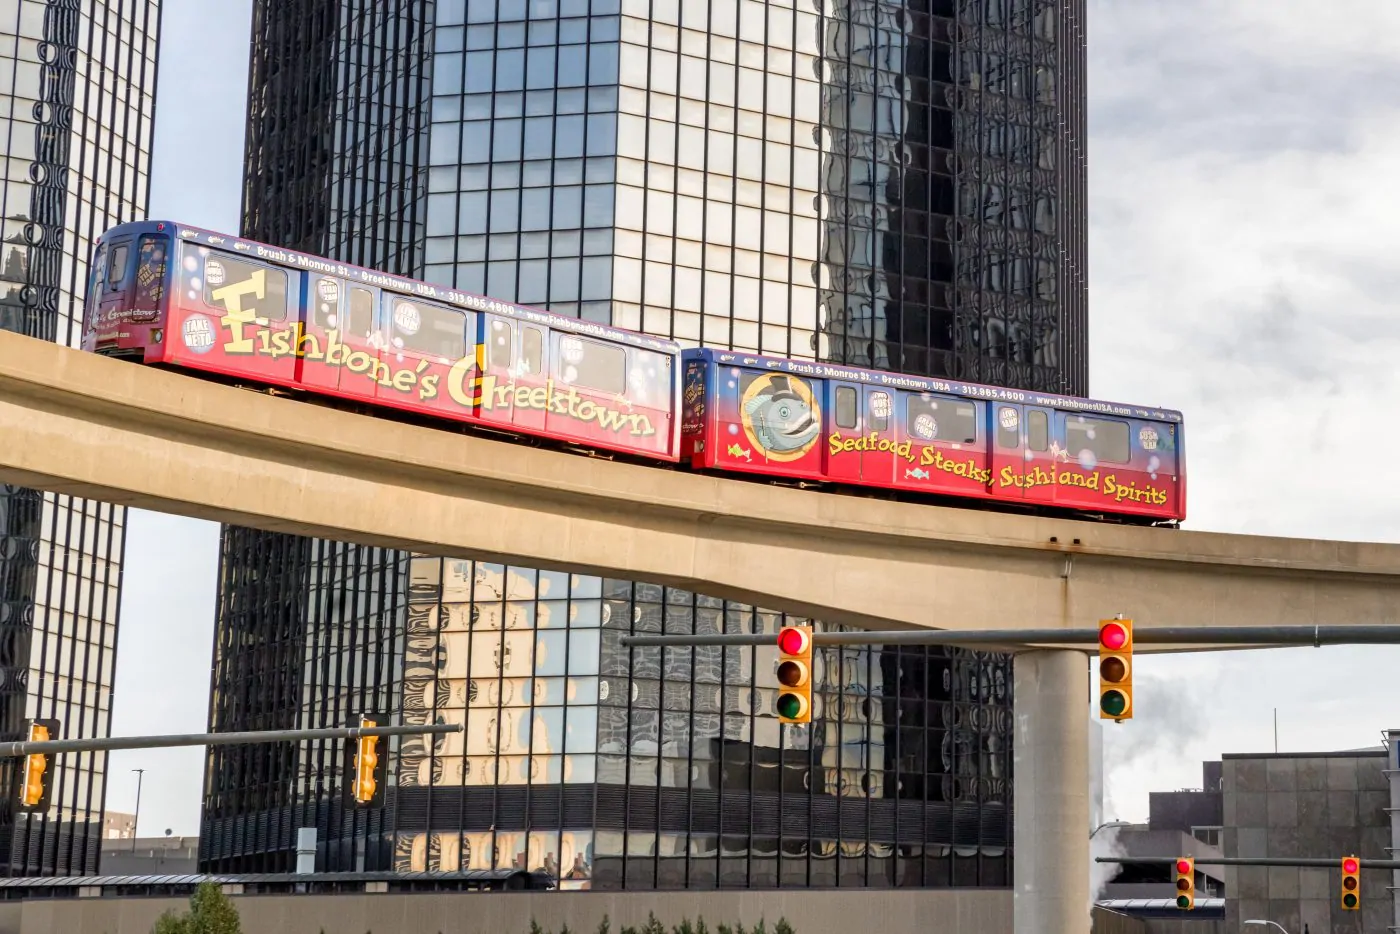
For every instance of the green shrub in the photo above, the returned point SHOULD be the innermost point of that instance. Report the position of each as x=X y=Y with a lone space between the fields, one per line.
x=211 y=912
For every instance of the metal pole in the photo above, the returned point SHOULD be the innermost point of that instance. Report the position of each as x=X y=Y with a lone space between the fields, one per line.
x=24 y=748
x=1304 y=862
x=1381 y=634
x=136 y=820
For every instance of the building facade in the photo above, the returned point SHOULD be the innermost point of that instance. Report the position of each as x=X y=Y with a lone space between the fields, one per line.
x=77 y=100
x=1312 y=805
x=890 y=185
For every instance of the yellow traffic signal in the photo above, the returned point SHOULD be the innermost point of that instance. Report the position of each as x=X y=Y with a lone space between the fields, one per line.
x=34 y=780
x=794 y=704
x=367 y=769
x=1351 y=883
x=1116 y=669
x=1185 y=872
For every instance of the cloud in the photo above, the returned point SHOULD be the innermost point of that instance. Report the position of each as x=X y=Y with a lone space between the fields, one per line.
x=1242 y=231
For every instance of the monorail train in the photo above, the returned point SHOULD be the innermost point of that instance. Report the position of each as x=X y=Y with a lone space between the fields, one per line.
x=172 y=295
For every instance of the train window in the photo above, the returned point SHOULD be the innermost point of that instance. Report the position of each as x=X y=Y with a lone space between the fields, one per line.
x=150 y=272
x=1037 y=430
x=845 y=407
x=532 y=350
x=1107 y=441
x=1008 y=427
x=500 y=348
x=879 y=411
x=99 y=271
x=360 y=320
x=325 y=305
x=429 y=330
x=116 y=270
x=592 y=365
x=940 y=418
x=222 y=271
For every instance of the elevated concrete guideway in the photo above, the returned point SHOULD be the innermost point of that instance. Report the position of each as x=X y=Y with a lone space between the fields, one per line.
x=76 y=423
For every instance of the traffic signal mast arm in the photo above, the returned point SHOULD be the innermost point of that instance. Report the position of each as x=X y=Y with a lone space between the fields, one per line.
x=27 y=747
x=1014 y=639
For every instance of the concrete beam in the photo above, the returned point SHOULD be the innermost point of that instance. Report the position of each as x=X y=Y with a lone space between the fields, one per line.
x=106 y=429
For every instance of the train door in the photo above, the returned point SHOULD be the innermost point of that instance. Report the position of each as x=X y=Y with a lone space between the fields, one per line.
x=879 y=462
x=532 y=377
x=498 y=402
x=1038 y=454
x=341 y=328
x=843 y=453
x=1008 y=460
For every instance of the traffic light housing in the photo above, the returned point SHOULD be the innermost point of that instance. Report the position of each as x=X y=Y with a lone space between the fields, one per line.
x=1351 y=883
x=35 y=779
x=1116 y=669
x=794 y=703
x=1184 y=869
x=368 y=767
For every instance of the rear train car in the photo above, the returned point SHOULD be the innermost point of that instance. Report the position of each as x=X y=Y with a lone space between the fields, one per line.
x=823 y=423
x=168 y=294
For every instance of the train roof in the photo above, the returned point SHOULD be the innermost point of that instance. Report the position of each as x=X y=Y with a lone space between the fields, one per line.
x=930 y=384
x=412 y=287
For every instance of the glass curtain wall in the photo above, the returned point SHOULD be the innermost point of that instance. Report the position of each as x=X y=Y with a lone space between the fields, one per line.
x=648 y=768
x=77 y=89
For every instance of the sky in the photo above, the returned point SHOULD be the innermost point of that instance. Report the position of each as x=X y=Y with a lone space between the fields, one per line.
x=1242 y=229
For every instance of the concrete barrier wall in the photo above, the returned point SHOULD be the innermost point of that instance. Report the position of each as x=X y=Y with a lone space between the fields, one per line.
x=948 y=911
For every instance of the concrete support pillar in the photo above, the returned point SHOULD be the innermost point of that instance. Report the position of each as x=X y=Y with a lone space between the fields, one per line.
x=1051 y=795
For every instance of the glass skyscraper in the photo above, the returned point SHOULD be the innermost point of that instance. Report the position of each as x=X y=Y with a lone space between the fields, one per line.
x=893 y=185
x=77 y=100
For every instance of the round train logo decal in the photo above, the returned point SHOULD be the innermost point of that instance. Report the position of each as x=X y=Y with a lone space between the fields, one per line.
x=780 y=416
x=198 y=333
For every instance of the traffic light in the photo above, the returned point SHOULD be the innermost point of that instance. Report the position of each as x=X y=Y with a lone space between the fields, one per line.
x=1351 y=883
x=1116 y=669
x=35 y=780
x=1185 y=882
x=794 y=704
x=368 y=767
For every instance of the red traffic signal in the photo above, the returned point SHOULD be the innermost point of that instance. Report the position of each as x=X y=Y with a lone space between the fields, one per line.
x=1351 y=883
x=794 y=671
x=1185 y=872
x=1113 y=635
x=1116 y=669
x=794 y=640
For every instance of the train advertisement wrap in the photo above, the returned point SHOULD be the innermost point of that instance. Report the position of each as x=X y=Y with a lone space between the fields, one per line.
x=175 y=296
x=849 y=426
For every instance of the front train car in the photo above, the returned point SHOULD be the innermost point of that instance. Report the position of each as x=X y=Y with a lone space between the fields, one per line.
x=176 y=296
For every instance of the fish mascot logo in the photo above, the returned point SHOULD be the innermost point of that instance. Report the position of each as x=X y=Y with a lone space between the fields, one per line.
x=780 y=416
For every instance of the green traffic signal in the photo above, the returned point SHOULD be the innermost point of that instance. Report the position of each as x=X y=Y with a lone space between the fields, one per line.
x=1349 y=900
x=1113 y=703
x=1183 y=901
x=789 y=706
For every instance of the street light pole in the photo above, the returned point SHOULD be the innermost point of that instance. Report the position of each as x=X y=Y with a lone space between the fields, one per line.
x=136 y=820
x=1274 y=923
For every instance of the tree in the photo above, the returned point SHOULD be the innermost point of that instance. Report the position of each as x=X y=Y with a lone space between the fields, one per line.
x=211 y=912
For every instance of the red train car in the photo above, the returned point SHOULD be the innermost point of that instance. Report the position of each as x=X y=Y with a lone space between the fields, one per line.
x=824 y=423
x=173 y=295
